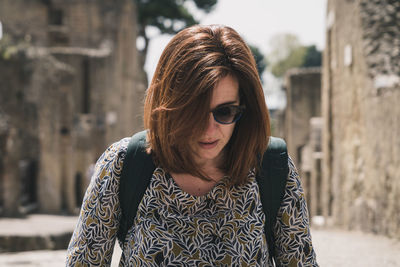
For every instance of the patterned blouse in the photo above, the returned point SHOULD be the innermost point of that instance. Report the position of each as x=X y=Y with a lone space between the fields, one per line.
x=225 y=227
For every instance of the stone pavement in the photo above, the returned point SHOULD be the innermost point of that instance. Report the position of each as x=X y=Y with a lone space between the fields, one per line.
x=334 y=248
x=43 y=258
x=37 y=224
x=339 y=248
x=38 y=231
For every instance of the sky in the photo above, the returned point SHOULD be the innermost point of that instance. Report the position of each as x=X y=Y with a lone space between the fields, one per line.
x=258 y=21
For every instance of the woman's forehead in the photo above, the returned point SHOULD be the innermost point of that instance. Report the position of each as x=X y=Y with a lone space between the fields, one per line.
x=226 y=90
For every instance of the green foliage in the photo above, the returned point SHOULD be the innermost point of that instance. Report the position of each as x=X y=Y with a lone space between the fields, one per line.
x=295 y=59
x=260 y=60
x=273 y=127
x=168 y=16
x=282 y=45
x=8 y=48
x=313 y=57
x=288 y=52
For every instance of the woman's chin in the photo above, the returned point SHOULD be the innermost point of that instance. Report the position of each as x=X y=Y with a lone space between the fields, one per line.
x=208 y=156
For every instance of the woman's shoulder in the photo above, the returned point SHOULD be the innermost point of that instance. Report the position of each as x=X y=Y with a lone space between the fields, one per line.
x=115 y=151
x=109 y=164
x=293 y=183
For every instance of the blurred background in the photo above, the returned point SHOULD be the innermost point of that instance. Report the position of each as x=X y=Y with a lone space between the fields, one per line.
x=73 y=76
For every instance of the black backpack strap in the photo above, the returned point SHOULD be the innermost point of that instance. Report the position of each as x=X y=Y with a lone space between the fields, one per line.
x=137 y=170
x=272 y=182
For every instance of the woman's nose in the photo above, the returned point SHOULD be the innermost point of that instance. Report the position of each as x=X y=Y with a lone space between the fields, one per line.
x=212 y=124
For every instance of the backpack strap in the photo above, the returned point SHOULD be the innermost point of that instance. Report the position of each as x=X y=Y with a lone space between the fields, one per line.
x=271 y=182
x=136 y=173
x=138 y=168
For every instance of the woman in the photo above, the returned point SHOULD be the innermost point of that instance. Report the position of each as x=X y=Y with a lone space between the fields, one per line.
x=207 y=124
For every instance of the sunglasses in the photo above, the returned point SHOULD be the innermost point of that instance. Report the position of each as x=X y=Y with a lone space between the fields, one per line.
x=227 y=114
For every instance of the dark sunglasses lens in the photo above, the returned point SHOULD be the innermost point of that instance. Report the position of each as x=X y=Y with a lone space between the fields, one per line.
x=228 y=114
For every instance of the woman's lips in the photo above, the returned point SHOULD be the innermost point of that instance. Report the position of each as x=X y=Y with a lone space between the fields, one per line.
x=208 y=145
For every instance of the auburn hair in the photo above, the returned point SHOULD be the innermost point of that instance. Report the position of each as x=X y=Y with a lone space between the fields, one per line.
x=177 y=104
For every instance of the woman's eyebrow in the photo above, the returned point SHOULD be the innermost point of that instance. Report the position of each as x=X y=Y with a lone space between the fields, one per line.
x=227 y=103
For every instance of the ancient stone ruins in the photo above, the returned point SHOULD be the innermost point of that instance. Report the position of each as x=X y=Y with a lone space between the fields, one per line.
x=343 y=129
x=70 y=84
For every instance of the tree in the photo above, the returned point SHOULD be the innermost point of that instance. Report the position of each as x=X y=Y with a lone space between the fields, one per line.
x=288 y=52
x=260 y=60
x=293 y=60
x=313 y=57
x=168 y=16
x=281 y=46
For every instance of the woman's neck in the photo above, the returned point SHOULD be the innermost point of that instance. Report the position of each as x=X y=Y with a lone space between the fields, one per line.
x=210 y=165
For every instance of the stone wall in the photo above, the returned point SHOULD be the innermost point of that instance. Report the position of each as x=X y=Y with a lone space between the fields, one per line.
x=311 y=167
x=70 y=85
x=303 y=94
x=31 y=85
x=302 y=129
x=361 y=92
x=25 y=20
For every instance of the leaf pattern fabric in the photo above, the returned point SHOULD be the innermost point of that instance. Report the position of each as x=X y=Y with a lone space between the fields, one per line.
x=293 y=245
x=225 y=227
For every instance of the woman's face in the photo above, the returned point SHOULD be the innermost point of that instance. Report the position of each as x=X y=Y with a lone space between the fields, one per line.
x=208 y=148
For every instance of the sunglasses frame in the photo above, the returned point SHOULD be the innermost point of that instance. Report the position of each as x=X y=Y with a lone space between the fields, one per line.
x=241 y=109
